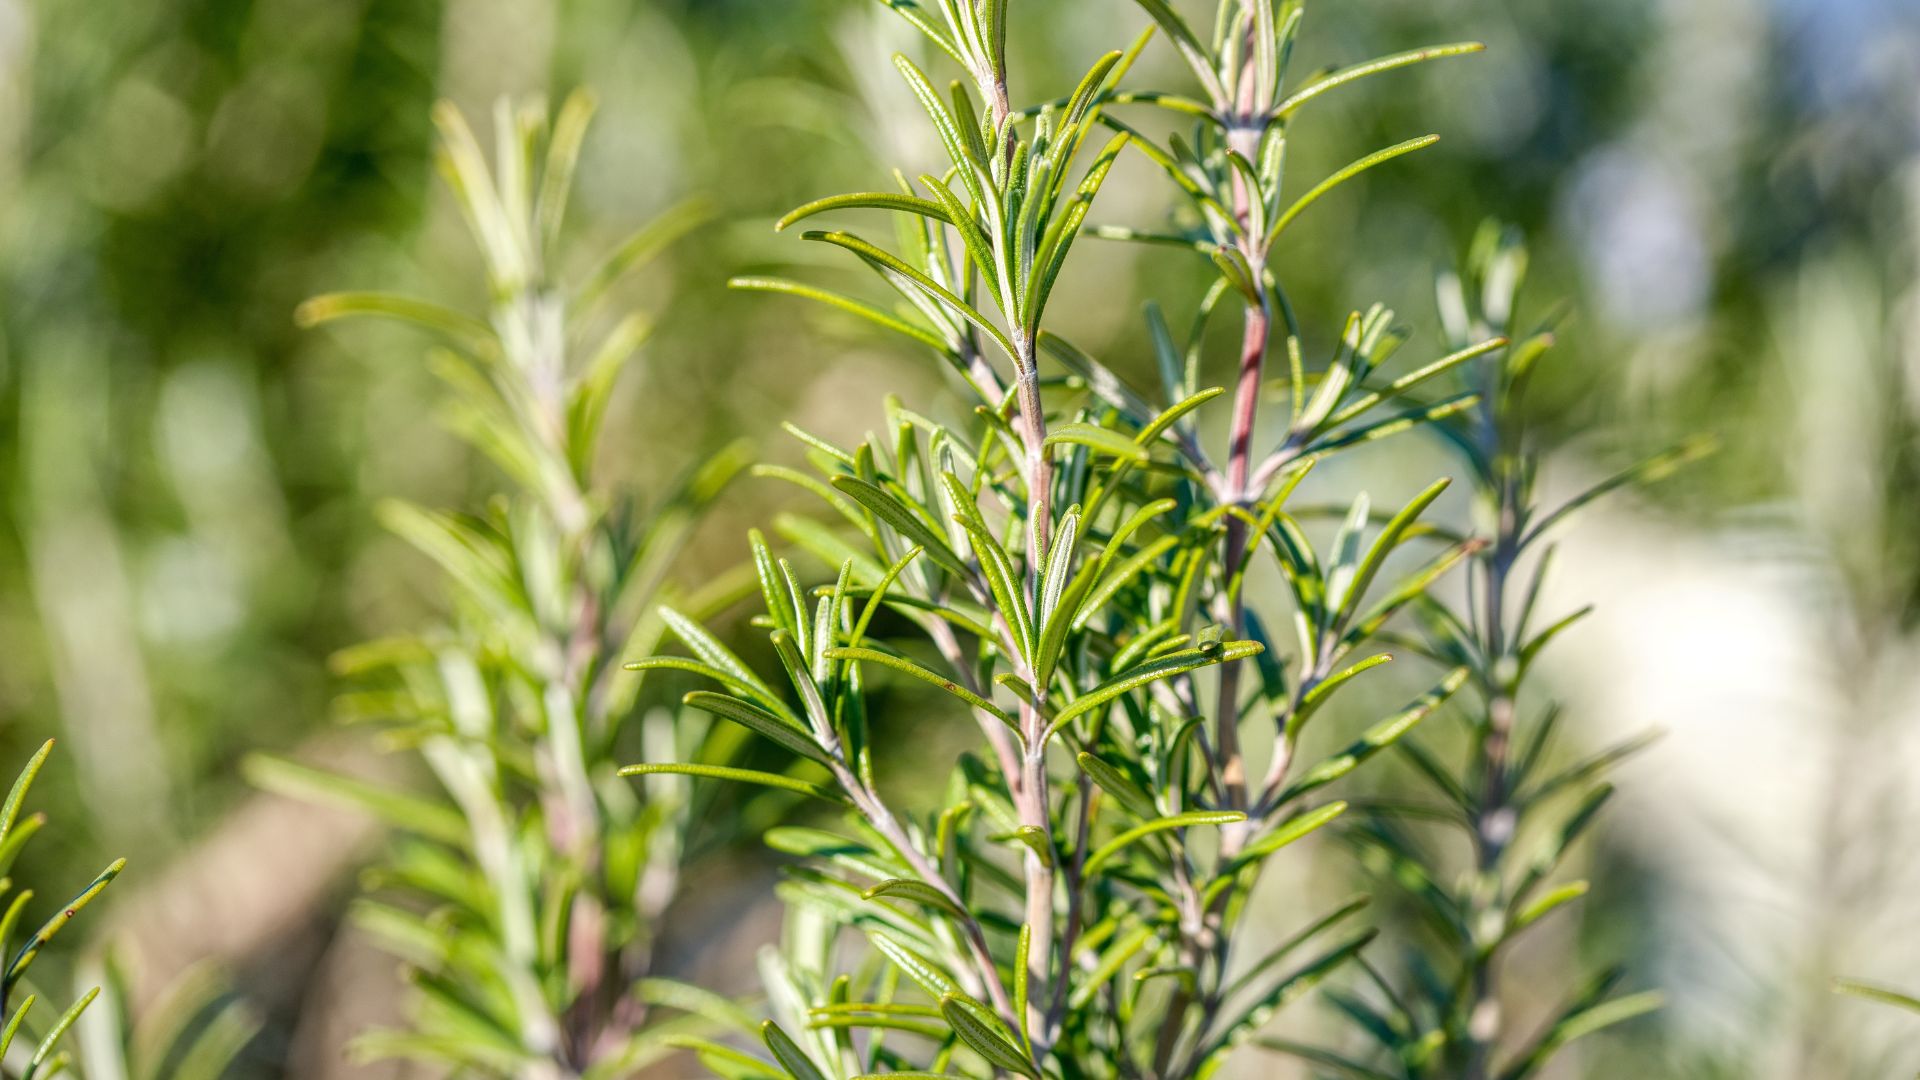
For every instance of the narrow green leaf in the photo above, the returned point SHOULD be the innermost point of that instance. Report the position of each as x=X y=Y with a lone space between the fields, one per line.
x=1658 y=467
x=1115 y=783
x=745 y=776
x=1104 y=440
x=1059 y=565
x=430 y=819
x=17 y=795
x=845 y=303
x=788 y=1053
x=989 y=1041
x=1190 y=819
x=760 y=721
x=563 y=156
x=687 y=998
x=1022 y=951
x=1100 y=379
x=1296 y=939
x=1324 y=690
x=1348 y=172
x=903 y=521
x=918 y=892
x=902 y=664
x=24 y=958
x=1326 y=1059
x=1359 y=71
x=1172 y=414
x=956 y=144
x=1233 y=267
x=917 y=15
x=646 y=242
x=1111 y=961
x=869 y=200
x=1873 y=992
x=711 y=652
x=1191 y=50
x=1376 y=739
x=464 y=329
x=1540 y=908
x=1411 y=379
x=1405 y=420
x=1290 y=830
x=931 y=979
x=1384 y=544
x=1286 y=990
x=44 y=1051
x=13 y=1022
x=1052 y=256
x=896 y=270
x=1161 y=667
x=1580 y=1022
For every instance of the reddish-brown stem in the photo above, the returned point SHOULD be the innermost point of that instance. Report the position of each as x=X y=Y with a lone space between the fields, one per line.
x=1031 y=797
x=1253 y=348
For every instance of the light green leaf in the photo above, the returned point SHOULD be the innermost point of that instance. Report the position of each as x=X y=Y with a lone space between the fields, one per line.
x=915 y=531
x=1290 y=830
x=1190 y=819
x=1348 y=172
x=1359 y=71
x=711 y=652
x=464 y=329
x=745 y=776
x=869 y=200
x=430 y=819
x=902 y=664
x=917 y=891
x=44 y=1051
x=990 y=1041
x=1115 y=783
x=760 y=721
x=1161 y=667
x=646 y=242
x=1104 y=440
x=10 y=813
x=845 y=303
x=24 y=958
x=1873 y=992
x=788 y=1053
x=1376 y=739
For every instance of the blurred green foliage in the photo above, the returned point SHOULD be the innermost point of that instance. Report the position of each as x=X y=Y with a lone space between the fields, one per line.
x=1724 y=190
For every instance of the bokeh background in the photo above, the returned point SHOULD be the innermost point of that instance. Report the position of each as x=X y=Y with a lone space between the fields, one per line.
x=1727 y=192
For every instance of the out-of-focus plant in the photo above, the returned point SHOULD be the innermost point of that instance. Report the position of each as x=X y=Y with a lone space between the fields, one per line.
x=1875 y=992
x=525 y=900
x=1067 y=563
x=196 y=1030
x=39 y=1053
x=1519 y=809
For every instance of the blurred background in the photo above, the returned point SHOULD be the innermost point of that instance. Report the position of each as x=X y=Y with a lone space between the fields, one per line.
x=1727 y=193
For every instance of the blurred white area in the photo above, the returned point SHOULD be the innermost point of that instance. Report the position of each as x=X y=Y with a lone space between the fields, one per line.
x=1708 y=639
x=1780 y=812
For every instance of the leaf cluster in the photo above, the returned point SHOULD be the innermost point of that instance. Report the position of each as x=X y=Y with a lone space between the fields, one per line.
x=524 y=891
x=1067 y=568
x=19 y=948
x=1518 y=805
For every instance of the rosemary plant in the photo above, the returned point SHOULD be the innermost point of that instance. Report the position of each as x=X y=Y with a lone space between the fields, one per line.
x=1069 y=565
x=39 y=1053
x=1520 y=810
x=525 y=898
